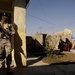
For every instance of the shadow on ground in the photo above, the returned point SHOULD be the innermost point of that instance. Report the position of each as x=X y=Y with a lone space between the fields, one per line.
x=63 y=68
x=67 y=68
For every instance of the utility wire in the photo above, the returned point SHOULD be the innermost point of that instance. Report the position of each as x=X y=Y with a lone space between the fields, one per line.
x=41 y=6
x=44 y=20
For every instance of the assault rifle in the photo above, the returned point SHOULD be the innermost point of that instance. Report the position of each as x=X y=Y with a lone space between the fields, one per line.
x=4 y=32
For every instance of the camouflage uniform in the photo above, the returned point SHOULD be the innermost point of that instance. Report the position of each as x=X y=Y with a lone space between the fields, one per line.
x=5 y=43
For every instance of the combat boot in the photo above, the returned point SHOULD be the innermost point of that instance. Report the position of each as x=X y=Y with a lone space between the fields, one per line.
x=9 y=69
x=2 y=66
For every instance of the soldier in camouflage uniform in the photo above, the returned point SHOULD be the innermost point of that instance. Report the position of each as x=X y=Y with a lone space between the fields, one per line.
x=6 y=30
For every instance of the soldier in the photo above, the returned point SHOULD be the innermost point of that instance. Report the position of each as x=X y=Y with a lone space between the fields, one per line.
x=6 y=32
x=61 y=45
x=68 y=44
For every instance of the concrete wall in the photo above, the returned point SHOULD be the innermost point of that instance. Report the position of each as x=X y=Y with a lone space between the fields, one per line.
x=29 y=44
x=38 y=37
x=20 y=36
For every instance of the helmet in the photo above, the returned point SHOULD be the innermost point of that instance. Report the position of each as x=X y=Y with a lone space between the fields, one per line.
x=4 y=14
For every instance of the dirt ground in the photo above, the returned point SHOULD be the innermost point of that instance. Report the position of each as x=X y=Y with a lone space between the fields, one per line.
x=63 y=57
x=68 y=56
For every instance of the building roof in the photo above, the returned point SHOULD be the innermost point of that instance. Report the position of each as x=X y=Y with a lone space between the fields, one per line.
x=27 y=1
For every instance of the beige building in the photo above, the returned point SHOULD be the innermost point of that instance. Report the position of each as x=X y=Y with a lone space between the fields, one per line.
x=17 y=16
x=39 y=39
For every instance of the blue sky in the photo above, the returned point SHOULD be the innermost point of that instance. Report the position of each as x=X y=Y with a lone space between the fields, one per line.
x=49 y=16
